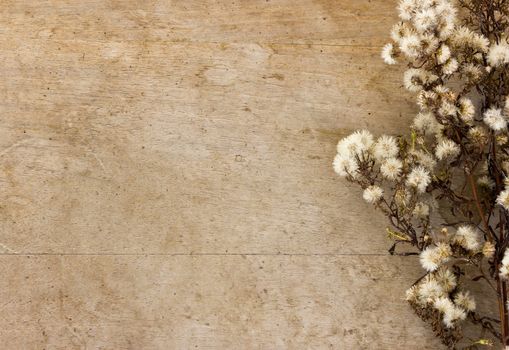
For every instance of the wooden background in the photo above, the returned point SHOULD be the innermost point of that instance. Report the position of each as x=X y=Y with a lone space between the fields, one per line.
x=166 y=178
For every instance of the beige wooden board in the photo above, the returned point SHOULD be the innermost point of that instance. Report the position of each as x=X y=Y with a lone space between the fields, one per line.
x=166 y=176
x=187 y=147
x=362 y=22
x=208 y=302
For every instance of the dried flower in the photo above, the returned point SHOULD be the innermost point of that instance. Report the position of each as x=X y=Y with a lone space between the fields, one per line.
x=425 y=122
x=372 y=194
x=424 y=159
x=465 y=300
x=446 y=278
x=478 y=134
x=472 y=72
x=388 y=54
x=416 y=79
x=391 y=168
x=463 y=37
x=410 y=45
x=488 y=250
x=443 y=54
x=355 y=144
x=434 y=256
x=412 y=294
x=429 y=290
x=498 y=54
x=447 y=149
x=504 y=268
x=421 y=210
x=468 y=238
x=494 y=119
x=450 y=66
x=385 y=147
x=419 y=179
x=503 y=199
x=345 y=166
x=466 y=110
x=453 y=315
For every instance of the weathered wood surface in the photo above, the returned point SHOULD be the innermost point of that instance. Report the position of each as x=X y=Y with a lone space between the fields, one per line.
x=166 y=176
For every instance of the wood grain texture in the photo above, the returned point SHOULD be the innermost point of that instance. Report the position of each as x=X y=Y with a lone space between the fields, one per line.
x=208 y=302
x=166 y=176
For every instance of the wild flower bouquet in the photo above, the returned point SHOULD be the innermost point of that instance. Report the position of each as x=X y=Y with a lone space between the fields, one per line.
x=455 y=158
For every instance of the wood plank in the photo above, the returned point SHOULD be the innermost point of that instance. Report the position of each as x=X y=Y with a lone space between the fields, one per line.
x=208 y=302
x=182 y=147
x=360 y=22
x=166 y=176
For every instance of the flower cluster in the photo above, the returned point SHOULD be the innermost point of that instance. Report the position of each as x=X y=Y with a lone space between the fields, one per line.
x=439 y=290
x=455 y=156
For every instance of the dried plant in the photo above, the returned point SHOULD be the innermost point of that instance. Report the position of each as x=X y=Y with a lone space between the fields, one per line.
x=455 y=157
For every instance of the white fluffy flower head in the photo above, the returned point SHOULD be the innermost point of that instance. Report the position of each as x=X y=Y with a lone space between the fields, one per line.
x=410 y=45
x=372 y=194
x=468 y=237
x=391 y=168
x=443 y=304
x=429 y=290
x=443 y=54
x=450 y=66
x=434 y=256
x=453 y=315
x=463 y=37
x=419 y=178
x=447 y=149
x=385 y=147
x=494 y=119
x=466 y=110
x=425 y=122
x=446 y=278
x=425 y=20
x=345 y=166
x=465 y=300
x=503 y=199
x=498 y=54
x=388 y=54
x=504 y=268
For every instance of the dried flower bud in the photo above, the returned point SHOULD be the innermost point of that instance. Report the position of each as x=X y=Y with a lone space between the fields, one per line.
x=478 y=135
x=503 y=198
x=488 y=250
x=388 y=54
x=486 y=181
x=417 y=79
x=472 y=72
x=401 y=197
x=501 y=139
x=466 y=110
x=421 y=210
